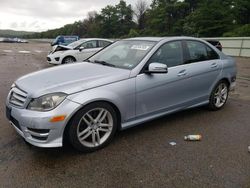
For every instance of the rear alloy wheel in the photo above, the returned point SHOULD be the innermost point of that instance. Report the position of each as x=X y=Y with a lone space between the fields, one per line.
x=219 y=96
x=93 y=127
x=68 y=60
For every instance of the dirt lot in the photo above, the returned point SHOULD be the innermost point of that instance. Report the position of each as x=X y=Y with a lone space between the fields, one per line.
x=138 y=157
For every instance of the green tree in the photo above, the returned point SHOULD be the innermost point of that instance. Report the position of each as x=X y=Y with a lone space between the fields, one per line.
x=241 y=11
x=166 y=16
x=116 y=21
x=133 y=33
x=239 y=31
x=202 y=18
x=140 y=11
x=91 y=25
x=212 y=18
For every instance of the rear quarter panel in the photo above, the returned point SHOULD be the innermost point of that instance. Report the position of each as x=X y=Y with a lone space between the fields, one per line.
x=229 y=69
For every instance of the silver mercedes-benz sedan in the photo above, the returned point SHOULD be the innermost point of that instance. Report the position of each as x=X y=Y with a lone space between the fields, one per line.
x=128 y=83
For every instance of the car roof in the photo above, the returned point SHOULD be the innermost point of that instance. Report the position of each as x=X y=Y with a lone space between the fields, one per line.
x=88 y=39
x=158 y=39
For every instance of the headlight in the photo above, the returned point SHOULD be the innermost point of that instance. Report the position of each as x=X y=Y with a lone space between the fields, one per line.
x=46 y=102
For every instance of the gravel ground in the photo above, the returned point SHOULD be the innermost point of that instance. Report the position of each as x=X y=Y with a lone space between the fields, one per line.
x=138 y=157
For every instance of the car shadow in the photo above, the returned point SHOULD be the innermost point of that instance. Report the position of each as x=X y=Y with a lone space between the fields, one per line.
x=68 y=150
x=126 y=141
x=167 y=120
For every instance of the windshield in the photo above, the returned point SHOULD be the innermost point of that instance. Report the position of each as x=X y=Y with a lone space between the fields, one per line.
x=124 y=54
x=76 y=43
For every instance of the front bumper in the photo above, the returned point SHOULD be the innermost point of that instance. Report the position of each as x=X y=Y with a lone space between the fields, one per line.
x=36 y=128
x=55 y=60
x=232 y=86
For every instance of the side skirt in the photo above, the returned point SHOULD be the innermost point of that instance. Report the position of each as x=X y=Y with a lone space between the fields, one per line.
x=144 y=119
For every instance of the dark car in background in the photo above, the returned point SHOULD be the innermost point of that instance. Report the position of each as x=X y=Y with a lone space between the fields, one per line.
x=14 y=40
x=64 y=40
x=215 y=43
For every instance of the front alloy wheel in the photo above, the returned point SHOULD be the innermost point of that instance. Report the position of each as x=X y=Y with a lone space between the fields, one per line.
x=93 y=127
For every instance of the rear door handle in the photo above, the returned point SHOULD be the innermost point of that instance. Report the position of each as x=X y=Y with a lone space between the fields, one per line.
x=214 y=65
x=182 y=72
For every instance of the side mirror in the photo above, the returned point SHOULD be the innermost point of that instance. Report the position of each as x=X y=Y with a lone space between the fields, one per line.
x=81 y=48
x=155 y=68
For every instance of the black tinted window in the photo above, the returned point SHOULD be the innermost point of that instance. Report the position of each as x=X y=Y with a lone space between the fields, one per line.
x=169 y=54
x=212 y=54
x=199 y=51
x=213 y=42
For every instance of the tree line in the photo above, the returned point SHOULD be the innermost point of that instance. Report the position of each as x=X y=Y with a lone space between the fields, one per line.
x=199 y=18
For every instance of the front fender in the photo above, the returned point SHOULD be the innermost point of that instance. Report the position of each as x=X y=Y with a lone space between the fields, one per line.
x=121 y=94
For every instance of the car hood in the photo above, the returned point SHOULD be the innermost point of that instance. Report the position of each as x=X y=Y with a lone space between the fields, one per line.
x=58 y=48
x=70 y=78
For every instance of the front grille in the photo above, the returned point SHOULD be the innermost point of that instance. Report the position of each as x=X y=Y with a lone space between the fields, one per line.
x=17 y=97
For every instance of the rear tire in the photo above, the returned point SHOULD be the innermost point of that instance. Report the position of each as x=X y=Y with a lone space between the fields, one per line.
x=93 y=127
x=219 y=96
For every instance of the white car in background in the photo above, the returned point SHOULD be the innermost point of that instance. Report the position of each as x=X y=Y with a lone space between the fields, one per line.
x=77 y=51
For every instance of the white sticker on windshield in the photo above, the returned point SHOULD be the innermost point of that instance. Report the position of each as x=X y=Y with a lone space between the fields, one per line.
x=140 y=47
x=128 y=65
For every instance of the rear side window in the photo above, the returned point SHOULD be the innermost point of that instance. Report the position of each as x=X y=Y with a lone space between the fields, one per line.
x=90 y=44
x=169 y=54
x=198 y=51
x=103 y=43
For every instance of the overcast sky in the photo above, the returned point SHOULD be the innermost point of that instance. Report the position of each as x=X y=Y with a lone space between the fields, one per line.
x=41 y=15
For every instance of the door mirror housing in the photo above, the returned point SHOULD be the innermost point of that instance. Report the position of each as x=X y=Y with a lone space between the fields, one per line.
x=155 y=68
x=81 y=48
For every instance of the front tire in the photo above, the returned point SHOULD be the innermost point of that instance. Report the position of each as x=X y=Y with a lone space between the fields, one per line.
x=68 y=60
x=219 y=95
x=93 y=127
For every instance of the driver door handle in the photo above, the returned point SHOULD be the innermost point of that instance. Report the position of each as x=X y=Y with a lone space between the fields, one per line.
x=182 y=72
x=214 y=65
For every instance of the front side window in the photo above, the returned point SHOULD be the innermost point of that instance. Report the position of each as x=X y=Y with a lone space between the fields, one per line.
x=76 y=44
x=124 y=54
x=199 y=51
x=169 y=54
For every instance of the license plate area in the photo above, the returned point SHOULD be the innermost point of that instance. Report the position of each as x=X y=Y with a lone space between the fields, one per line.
x=13 y=121
x=8 y=113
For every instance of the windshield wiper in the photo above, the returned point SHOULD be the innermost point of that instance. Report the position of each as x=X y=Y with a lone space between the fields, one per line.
x=87 y=60
x=104 y=63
